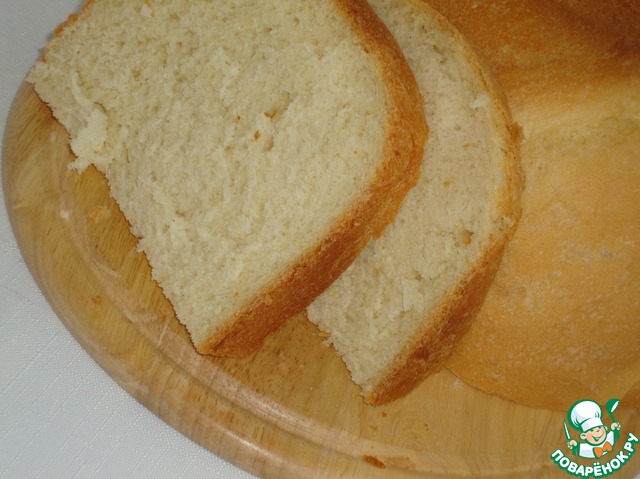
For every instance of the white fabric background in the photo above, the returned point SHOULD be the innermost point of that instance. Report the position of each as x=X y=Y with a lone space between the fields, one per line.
x=61 y=416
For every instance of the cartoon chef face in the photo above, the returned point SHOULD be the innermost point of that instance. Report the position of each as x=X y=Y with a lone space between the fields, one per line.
x=595 y=436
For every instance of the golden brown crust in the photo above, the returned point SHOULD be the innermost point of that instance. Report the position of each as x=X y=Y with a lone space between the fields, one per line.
x=399 y=172
x=430 y=348
x=434 y=344
x=545 y=51
x=317 y=268
x=560 y=322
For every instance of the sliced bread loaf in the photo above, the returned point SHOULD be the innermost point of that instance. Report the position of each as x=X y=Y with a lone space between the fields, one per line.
x=562 y=315
x=397 y=313
x=254 y=147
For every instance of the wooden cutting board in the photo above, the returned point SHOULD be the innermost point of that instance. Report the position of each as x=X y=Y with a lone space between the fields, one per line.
x=289 y=410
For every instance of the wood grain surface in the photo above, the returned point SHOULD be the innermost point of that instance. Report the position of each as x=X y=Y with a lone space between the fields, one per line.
x=288 y=411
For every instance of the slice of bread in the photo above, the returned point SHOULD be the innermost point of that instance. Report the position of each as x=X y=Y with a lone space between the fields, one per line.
x=397 y=313
x=254 y=147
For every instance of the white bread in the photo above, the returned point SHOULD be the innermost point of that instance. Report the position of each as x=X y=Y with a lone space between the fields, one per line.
x=397 y=313
x=561 y=322
x=254 y=147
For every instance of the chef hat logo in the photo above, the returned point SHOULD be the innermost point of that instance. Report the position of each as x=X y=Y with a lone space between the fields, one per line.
x=585 y=415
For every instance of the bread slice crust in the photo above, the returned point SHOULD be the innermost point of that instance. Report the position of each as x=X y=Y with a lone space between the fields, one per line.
x=428 y=349
x=433 y=344
x=407 y=131
x=397 y=172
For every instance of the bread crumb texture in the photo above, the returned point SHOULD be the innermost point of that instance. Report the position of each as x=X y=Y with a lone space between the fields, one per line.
x=461 y=208
x=232 y=133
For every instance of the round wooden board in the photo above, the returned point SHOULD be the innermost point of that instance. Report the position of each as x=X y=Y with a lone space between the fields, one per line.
x=288 y=411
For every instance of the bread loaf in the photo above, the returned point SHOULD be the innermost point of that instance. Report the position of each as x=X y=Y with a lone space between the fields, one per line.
x=254 y=147
x=560 y=323
x=397 y=313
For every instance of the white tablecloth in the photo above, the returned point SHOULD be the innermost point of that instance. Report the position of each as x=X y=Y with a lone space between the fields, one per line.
x=61 y=416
